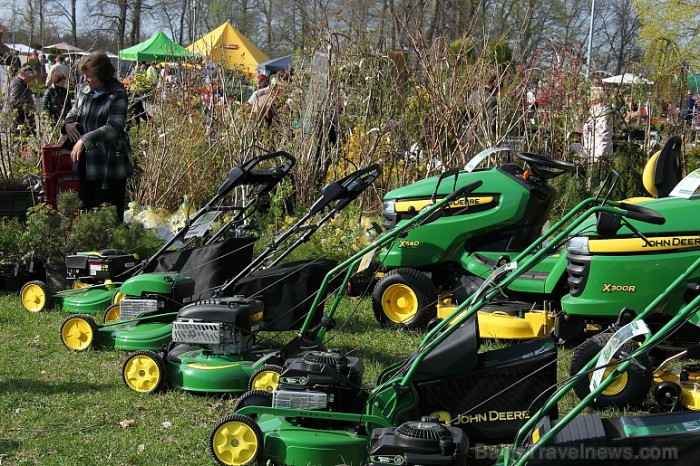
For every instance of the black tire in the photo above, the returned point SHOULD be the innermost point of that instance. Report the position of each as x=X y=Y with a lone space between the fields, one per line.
x=35 y=296
x=264 y=378
x=79 y=332
x=253 y=398
x=231 y=439
x=667 y=395
x=629 y=390
x=405 y=298
x=144 y=372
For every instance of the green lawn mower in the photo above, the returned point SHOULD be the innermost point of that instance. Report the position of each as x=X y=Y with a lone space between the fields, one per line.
x=319 y=414
x=425 y=275
x=214 y=348
x=104 y=270
x=668 y=439
x=148 y=313
x=445 y=261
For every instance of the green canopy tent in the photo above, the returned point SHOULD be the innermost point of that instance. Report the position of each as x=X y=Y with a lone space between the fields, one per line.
x=158 y=48
x=694 y=81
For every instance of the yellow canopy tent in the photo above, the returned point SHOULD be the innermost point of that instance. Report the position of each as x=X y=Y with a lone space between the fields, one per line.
x=225 y=46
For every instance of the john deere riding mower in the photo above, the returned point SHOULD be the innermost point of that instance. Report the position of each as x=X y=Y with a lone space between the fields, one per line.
x=444 y=262
x=148 y=313
x=319 y=414
x=200 y=252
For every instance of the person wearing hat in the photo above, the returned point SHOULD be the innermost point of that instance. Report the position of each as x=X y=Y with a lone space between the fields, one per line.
x=20 y=102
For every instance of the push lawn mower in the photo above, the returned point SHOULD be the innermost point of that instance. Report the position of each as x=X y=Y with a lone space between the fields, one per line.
x=631 y=435
x=147 y=316
x=320 y=415
x=216 y=252
x=421 y=275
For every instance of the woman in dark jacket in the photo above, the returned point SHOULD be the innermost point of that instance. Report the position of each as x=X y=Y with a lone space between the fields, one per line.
x=96 y=125
x=57 y=101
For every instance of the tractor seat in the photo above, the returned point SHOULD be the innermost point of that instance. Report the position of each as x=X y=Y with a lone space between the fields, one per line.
x=228 y=309
x=662 y=171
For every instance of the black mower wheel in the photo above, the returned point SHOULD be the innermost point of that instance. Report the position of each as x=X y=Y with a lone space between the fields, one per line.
x=405 y=298
x=144 y=371
x=265 y=378
x=253 y=398
x=112 y=313
x=667 y=395
x=630 y=390
x=35 y=296
x=78 y=332
x=236 y=440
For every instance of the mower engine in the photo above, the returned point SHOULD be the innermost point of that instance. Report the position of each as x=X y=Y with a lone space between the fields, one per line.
x=321 y=380
x=425 y=442
x=167 y=292
x=95 y=266
x=224 y=326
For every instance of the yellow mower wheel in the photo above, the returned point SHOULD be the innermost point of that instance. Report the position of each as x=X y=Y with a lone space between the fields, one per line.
x=35 y=296
x=629 y=390
x=117 y=298
x=405 y=298
x=266 y=378
x=78 y=332
x=236 y=440
x=112 y=313
x=144 y=371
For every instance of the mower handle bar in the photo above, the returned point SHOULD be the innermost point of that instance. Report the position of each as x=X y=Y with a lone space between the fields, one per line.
x=267 y=178
x=463 y=190
x=642 y=214
x=346 y=189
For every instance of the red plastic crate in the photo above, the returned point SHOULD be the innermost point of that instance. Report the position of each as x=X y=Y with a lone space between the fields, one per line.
x=57 y=171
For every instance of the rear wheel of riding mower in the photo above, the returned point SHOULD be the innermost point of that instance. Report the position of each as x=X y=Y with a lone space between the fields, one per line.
x=265 y=378
x=144 y=371
x=629 y=390
x=405 y=298
x=253 y=398
x=236 y=440
x=78 y=332
x=112 y=313
x=35 y=296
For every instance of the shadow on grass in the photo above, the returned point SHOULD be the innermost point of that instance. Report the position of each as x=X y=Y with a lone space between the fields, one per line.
x=8 y=445
x=50 y=388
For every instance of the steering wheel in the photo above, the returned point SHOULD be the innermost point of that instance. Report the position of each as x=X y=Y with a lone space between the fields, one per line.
x=545 y=167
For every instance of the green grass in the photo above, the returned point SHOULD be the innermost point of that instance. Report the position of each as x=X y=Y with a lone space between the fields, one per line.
x=64 y=408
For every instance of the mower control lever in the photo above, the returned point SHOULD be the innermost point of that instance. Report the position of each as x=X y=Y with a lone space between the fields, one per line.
x=463 y=190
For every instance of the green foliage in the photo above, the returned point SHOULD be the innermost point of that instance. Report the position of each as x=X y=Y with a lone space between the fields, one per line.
x=571 y=189
x=50 y=233
x=692 y=158
x=629 y=162
x=12 y=246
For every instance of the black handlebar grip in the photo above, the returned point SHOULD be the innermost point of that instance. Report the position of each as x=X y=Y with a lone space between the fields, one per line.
x=643 y=214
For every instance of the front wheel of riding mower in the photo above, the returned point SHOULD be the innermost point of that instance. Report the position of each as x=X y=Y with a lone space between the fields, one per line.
x=35 y=296
x=78 y=332
x=405 y=298
x=265 y=378
x=629 y=390
x=144 y=371
x=236 y=440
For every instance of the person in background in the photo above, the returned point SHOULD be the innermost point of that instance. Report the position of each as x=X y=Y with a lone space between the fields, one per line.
x=20 y=102
x=57 y=101
x=597 y=130
x=95 y=124
x=57 y=67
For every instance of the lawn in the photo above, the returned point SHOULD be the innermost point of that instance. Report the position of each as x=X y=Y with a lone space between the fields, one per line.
x=64 y=408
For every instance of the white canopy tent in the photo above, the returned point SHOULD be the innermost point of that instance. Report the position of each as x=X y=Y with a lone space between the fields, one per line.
x=627 y=78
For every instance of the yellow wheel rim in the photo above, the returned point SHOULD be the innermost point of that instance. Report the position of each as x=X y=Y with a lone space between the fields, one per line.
x=266 y=380
x=617 y=386
x=117 y=298
x=142 y=373
x=113 y=313
x=77 y=334
x=400 y=303
x=33 y=298
x=234 y=443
